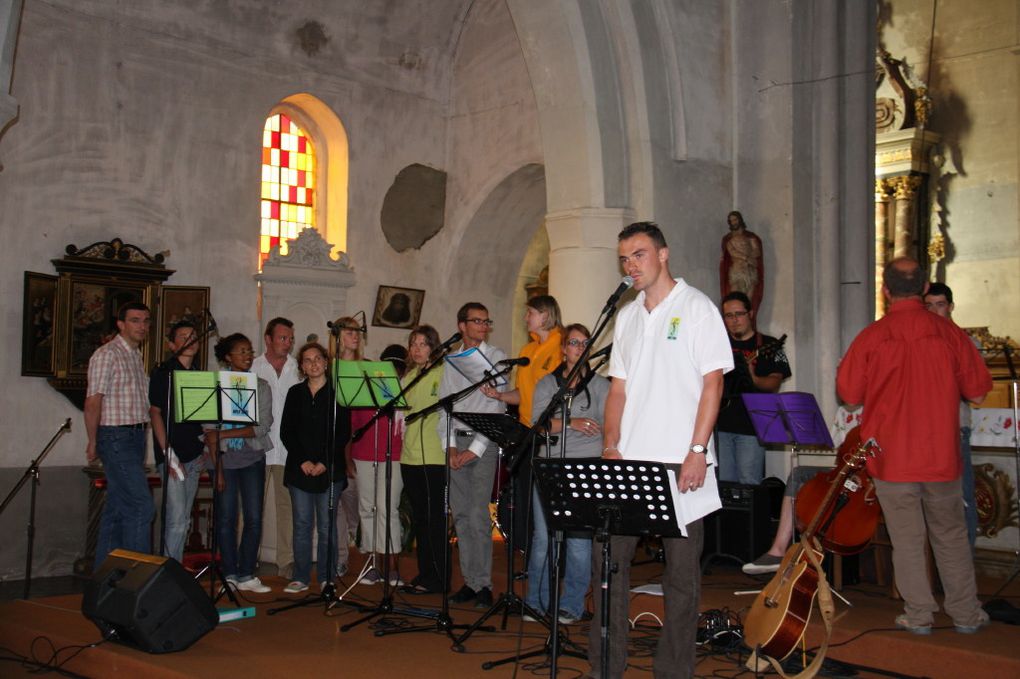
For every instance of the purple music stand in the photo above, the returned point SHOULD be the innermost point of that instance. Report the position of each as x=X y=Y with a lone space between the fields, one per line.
x=790 y=418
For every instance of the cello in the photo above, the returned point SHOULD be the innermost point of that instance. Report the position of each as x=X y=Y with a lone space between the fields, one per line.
x=848 y=524
x=780 y=614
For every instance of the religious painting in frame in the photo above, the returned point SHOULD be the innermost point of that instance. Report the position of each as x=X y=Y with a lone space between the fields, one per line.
x=184 y=302
x=40 y=307
x=93 y=321
x=397 y=307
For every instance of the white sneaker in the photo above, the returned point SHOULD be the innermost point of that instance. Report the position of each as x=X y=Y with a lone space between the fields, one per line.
x=254 y=585
x=295 y=587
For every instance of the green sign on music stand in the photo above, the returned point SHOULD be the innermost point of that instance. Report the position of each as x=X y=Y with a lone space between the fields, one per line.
x=366 y=384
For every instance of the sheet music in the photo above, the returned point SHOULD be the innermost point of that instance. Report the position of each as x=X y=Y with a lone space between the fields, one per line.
x=473 y=365
x=674 y=488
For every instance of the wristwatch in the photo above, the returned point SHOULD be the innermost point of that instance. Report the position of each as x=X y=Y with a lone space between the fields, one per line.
x=698 y=448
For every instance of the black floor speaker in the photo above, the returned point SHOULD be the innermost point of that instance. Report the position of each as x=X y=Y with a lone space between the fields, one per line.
x=149 y=602
x=743 y=529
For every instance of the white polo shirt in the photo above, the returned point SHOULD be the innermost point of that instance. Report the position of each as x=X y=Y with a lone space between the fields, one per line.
x=663 y=355
x=280 y=385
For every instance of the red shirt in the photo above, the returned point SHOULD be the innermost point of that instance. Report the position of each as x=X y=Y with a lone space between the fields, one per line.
x=372 y=446
x=910 y=369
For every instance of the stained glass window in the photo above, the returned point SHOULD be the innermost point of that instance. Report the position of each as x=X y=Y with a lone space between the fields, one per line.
x=288 y=184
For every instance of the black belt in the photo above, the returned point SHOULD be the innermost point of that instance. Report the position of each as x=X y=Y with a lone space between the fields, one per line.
x=137 y=425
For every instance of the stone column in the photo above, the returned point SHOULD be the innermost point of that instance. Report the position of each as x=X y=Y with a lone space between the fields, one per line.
x=583 y=268
x=906 y=198
x=882 y=194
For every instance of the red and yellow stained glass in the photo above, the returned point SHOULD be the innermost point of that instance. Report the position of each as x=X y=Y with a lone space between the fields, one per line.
x=288 y=188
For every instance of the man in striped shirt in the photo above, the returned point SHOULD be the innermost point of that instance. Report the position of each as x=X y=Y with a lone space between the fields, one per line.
x=116 y=414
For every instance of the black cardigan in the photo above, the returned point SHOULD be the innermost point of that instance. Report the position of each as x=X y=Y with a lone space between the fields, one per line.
x=304 y=432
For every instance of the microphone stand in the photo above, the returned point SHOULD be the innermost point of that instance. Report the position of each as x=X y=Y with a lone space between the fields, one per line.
x=165 y=480
x=33 y=473
x=328 y=595
x=444 y=623
x=387 y=410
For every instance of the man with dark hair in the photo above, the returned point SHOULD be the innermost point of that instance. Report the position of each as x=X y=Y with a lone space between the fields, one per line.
x=939 y=299
x=116 y=413
x=472 y=462
x=909 y=370
x=669 y=356
x=760 y=365
x=177 y=444
x=277 y=367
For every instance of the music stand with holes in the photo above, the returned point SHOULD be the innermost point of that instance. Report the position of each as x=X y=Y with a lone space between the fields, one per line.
x=507 y=432
x=610 y=497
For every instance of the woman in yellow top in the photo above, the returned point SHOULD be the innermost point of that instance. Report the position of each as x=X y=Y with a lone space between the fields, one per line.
x=546 y=331
x=423 y=466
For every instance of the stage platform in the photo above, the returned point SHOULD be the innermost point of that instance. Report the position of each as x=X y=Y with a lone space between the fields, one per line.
x=306 y=640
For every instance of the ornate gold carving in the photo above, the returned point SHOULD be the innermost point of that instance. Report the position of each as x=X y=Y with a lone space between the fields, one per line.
x=994 y=497
x=906 y=186
x=883 y=190
x=922 y=106
x=989 y=341
x=937 y=248
x=885 y=114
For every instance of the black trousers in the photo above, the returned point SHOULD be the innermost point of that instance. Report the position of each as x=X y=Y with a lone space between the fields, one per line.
x=424 y=487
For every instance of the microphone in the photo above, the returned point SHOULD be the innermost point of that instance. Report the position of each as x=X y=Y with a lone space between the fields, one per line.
x=604 y=351
x=210 y=322
x=624 y=285
x=522 y=361
x=336 y=326
x=454 y=338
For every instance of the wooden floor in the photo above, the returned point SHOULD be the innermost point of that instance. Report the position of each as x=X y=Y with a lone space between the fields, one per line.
x=311 y=640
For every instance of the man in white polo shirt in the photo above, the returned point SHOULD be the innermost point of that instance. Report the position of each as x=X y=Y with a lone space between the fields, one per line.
x=670 y=350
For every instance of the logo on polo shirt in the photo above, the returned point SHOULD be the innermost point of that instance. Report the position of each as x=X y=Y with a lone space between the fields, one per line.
x=674 y=328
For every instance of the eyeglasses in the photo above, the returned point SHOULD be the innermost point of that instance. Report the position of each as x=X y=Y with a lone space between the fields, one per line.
x=480 y=321
x=734 y=314
x=574 y=342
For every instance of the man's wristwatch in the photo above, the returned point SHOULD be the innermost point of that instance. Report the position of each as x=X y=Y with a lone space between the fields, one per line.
x=698 y=448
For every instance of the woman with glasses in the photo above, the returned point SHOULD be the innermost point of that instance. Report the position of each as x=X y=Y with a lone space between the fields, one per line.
x=583 y=439
x=241 y=473
x=423 y=466
x=315 y=431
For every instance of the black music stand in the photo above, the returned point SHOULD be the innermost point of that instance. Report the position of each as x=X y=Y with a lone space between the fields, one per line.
x=506 y=432
x=193 y=405
x=610 y=497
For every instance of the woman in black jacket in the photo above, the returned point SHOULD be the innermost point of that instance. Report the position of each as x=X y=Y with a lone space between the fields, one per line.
x=315 y=430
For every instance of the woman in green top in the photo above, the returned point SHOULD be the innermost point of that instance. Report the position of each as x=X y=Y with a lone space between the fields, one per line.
x=423 y=466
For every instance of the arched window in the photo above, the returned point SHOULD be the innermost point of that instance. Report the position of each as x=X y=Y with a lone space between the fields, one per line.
x=288 y=184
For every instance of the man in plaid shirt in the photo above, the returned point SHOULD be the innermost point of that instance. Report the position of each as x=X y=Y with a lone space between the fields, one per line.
x=116 y=414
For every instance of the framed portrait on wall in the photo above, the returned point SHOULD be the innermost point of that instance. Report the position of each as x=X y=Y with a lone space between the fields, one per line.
x=37 y=324
x=397 y=307
x=93 y=319
x=184 y=302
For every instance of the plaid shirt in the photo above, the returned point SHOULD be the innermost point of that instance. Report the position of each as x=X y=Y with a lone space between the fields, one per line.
x=116 y=372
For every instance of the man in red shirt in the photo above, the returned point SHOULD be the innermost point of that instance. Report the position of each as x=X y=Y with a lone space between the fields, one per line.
x=909 y=370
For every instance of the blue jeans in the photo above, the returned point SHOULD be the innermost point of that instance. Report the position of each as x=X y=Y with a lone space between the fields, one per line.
x=247 y=483
x=577 y=575
x=741 y=458
x=970 y=509
x=180 y=496
x=127 y=513
x=310 y=509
